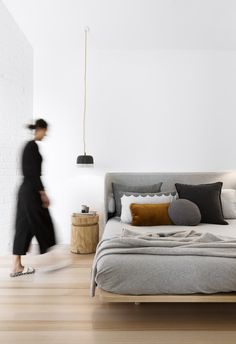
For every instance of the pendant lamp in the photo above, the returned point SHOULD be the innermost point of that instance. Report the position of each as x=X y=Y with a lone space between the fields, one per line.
x=85 y=160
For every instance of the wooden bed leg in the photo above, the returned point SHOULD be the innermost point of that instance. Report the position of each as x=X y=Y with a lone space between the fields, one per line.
x=137 y=303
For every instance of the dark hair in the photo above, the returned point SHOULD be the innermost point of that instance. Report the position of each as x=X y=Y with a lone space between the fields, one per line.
x=39 y=124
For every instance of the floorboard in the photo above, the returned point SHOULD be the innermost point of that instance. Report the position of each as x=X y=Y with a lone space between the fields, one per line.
x=55 y=307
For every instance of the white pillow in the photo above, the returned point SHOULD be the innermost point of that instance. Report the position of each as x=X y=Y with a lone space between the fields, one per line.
x=228 y=200
x=126 y=201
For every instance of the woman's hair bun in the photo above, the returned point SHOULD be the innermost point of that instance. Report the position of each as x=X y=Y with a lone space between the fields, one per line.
x=31 y=126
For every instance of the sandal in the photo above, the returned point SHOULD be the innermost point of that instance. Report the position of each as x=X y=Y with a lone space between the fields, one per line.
x=27 y=271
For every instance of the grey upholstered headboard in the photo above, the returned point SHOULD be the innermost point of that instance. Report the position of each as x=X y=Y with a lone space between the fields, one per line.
x=168 y=179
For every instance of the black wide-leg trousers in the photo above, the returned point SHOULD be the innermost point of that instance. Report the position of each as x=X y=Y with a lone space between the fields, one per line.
x=32 y=220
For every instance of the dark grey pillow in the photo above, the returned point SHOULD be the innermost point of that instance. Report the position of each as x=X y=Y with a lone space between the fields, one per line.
x=208 y=199
x=183 y=212
x=131 y=188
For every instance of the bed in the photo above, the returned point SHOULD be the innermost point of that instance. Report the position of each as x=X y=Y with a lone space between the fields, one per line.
x=165 y=278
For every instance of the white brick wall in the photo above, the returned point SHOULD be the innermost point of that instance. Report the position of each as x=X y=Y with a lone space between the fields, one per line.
x=16 y=109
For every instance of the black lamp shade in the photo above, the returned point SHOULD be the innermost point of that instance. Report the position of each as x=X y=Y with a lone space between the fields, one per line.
x=85 y=160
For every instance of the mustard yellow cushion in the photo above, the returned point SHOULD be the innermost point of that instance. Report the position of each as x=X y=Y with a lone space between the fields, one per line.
x=150 y=214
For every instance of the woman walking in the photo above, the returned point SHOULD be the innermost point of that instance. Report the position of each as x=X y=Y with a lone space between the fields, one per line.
x=32 y=216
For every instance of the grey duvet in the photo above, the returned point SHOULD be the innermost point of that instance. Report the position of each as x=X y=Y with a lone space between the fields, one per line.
x=167 y=262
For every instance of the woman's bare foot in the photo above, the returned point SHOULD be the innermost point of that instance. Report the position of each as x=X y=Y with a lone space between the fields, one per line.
x=26 y=271
x=17 y=265
x=18 y=268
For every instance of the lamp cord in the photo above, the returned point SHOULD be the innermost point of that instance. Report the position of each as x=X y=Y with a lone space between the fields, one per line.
x=85 y=89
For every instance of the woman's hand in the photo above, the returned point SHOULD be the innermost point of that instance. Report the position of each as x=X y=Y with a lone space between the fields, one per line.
x=44 y=199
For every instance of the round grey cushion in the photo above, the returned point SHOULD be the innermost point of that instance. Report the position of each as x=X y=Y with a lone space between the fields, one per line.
x=183 y=212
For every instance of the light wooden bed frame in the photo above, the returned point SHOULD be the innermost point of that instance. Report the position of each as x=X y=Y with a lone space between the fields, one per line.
x=168 y=179
x=106 y=296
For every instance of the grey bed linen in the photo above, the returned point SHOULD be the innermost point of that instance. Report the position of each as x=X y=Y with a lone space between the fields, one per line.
x=136 y=273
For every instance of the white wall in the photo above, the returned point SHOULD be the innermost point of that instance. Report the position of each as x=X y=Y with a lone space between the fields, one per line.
x=16 y=105
x=161 y=83
x=148 y=111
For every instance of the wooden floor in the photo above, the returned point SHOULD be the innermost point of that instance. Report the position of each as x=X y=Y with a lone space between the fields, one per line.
x=55 y=308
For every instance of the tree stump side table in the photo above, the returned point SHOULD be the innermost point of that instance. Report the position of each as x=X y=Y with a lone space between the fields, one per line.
x=84 y=233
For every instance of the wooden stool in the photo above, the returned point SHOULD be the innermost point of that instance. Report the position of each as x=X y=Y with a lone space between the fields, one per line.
x=84 y=233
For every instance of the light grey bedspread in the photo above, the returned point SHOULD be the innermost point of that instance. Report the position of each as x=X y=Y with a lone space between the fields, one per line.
x=167 y=262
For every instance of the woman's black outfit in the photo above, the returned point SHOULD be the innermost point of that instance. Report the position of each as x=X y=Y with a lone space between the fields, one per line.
x=31 y=218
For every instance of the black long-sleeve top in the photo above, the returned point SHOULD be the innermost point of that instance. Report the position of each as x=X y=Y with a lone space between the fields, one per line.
x=31 y=165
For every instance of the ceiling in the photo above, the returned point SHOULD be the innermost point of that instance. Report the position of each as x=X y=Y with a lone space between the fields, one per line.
x=128 y=24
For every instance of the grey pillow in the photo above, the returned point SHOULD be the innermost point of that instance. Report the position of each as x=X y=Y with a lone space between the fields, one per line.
x=131 y=188
x=183 y=212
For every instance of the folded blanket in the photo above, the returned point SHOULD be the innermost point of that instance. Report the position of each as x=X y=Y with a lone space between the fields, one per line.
x=173 y=243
